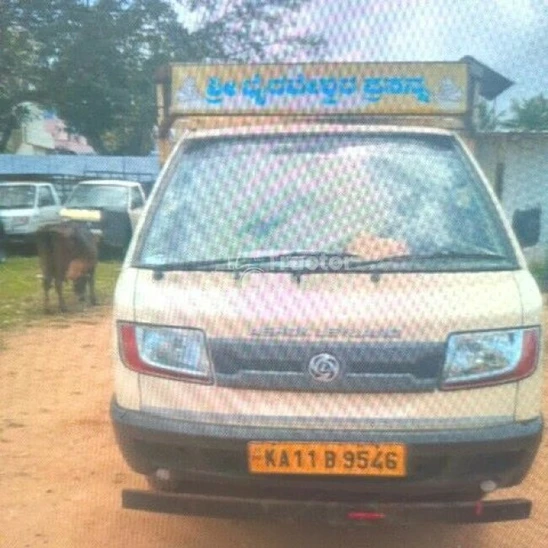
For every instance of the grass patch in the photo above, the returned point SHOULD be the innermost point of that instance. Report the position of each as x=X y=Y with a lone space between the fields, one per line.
x=21 y=295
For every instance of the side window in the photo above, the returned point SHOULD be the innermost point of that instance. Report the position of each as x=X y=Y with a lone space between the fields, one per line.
x=136 y=198
x=45 y=197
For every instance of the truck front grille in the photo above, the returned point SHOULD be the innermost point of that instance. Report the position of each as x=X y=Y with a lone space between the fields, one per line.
x=371 y=366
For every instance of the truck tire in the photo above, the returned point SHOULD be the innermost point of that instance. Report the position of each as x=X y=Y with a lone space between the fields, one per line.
x=116 y=228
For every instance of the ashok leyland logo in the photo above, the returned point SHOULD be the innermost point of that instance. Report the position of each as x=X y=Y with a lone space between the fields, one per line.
x=324 y=367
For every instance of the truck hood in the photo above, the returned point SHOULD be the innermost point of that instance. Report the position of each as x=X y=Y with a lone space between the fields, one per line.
x=245 y=320
x=340 y=306
x=8 y=216
x=19 y=212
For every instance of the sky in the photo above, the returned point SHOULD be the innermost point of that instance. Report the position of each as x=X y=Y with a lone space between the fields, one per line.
x=510 y=36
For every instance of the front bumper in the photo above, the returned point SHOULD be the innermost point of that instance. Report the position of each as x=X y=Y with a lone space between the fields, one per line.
x=211 y=459
x=26 y=237
x=335 y=513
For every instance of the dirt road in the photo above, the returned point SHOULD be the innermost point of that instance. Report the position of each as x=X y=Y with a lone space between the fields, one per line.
x=61 y=474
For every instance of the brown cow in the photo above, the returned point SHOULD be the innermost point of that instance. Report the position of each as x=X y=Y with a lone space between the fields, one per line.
x=67 y=251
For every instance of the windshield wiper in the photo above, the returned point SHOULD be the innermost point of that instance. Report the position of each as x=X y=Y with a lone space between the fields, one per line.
x=434 y=256
x=242 y=263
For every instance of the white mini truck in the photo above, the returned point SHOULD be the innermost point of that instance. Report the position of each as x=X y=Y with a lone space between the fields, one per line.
x=326 y=321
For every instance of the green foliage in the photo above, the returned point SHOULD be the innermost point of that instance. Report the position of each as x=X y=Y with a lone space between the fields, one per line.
x=529 y=114
x=94 y=61
x=19 y=79
x=21 y=296
x=539 y=270
x=251 y=30
x=487 y=118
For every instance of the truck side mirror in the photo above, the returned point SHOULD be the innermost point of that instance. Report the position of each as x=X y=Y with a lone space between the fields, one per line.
x=526 y=225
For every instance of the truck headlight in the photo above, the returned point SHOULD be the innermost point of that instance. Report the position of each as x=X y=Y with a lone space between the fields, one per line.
x=490 y=357
x=170 y=352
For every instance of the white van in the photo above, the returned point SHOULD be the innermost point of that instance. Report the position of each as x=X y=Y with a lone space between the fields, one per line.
x=111 y=207
x=333 y=321
x=26 y=207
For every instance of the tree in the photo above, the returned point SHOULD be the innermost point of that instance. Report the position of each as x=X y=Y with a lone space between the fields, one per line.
x=94 y=61
x=487 y=119
x=26 y=54
x=251 y=30
x=19 y=80
x=529 y=114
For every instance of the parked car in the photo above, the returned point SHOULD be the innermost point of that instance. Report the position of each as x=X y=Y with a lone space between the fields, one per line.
x=26 y=207
x=111 y=207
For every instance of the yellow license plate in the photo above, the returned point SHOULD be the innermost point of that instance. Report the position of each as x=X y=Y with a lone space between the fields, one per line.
x=349 y=459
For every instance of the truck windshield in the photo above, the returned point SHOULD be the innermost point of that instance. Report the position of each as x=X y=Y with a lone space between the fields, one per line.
x=17 y=196
x=98 y=196
x=370 y=197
